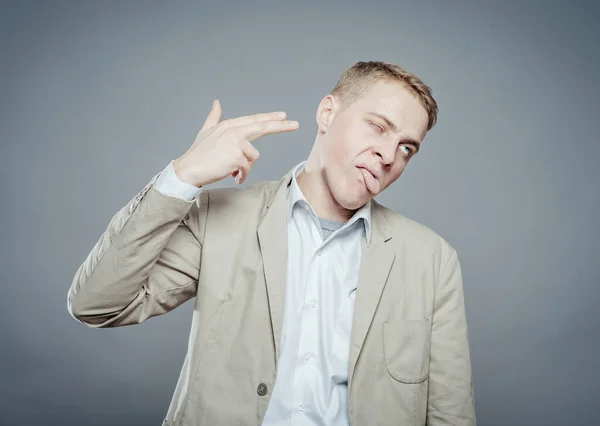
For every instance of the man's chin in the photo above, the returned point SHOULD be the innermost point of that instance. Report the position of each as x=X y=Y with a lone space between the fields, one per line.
x=353 y=202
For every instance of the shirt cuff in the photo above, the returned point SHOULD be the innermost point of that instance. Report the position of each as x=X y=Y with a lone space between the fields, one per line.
x=168 y=183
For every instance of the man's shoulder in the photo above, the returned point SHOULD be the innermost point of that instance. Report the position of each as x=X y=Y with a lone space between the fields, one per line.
x=406 y=230
x=254 y=195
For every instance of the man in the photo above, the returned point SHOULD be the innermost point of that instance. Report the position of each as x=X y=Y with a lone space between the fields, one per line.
x=314 y=303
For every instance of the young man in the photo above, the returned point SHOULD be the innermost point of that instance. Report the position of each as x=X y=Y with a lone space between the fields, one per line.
x=314 y=303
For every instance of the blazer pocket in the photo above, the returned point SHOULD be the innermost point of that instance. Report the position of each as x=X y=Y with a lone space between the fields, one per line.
x=406 y=349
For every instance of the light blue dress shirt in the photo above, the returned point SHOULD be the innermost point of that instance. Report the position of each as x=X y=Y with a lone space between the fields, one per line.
x=311 y=387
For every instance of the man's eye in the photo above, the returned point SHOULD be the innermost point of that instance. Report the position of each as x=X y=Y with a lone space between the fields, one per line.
x=408 y=149
x=379 y=128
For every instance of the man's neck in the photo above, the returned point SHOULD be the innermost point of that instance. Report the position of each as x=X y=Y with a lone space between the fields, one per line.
x=320 y=198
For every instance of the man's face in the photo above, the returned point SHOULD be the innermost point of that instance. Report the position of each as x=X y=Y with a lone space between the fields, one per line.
x=359 y=137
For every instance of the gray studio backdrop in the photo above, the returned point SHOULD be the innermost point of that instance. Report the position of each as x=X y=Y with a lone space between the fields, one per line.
x=97 y=97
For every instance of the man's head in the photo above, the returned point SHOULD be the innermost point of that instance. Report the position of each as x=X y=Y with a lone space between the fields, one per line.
x=375 y=118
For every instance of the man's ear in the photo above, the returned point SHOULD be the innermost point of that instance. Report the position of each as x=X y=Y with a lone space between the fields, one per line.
x=325 y=113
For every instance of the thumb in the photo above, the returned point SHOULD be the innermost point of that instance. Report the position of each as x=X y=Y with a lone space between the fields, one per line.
x=214 y=116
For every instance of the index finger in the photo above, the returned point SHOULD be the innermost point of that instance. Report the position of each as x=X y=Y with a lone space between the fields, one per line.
x=253 y=118
x=256 y=130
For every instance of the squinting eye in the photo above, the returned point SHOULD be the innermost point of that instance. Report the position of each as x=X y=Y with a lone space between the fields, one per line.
x=379 y=128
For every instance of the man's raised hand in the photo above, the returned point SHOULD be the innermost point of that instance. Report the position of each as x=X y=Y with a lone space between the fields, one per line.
x=222 y=148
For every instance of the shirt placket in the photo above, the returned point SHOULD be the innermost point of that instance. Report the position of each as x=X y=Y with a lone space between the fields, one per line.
x=306 y=373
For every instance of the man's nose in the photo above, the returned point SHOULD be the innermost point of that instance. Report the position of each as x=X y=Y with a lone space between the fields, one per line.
x=386 y=154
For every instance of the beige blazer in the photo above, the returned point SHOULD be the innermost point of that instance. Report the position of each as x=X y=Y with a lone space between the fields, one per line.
x=409 y=361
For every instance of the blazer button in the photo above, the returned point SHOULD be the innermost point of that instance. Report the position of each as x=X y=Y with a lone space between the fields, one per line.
x=262 y=389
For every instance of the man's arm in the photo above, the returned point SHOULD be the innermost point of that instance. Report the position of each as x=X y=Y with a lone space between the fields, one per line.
x=451 y=399
x=147 y=261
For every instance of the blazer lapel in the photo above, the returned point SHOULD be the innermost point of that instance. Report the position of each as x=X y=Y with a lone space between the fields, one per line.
x=376 y=262
x=272 y=238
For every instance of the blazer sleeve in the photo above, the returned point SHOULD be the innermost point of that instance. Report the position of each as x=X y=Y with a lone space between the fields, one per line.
x=451 y=397
x=146 y=262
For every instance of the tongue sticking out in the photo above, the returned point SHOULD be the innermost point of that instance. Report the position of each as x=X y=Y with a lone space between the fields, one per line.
x=371 y=183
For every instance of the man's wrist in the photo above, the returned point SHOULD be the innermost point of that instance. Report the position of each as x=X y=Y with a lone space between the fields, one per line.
x=181 y=174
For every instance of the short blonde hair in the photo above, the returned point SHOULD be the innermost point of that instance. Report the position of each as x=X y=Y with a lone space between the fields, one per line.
x=356 y=80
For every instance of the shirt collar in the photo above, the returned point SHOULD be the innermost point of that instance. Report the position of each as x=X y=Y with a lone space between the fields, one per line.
x=295 y=195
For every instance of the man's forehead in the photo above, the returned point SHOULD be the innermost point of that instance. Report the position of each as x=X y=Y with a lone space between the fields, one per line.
x=400 y=108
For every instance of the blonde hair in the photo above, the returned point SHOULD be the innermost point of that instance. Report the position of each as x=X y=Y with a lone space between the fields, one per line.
x=356 y=80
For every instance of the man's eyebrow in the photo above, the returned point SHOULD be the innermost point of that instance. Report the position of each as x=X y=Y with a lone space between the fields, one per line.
x=391 y=124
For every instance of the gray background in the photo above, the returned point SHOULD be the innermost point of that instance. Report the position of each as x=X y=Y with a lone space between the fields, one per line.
x=97 y=97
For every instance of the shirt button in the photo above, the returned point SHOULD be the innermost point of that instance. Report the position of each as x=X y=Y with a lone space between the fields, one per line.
x=319 y=252
x=302 y=407
x=262 y=389
x=307 y=357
